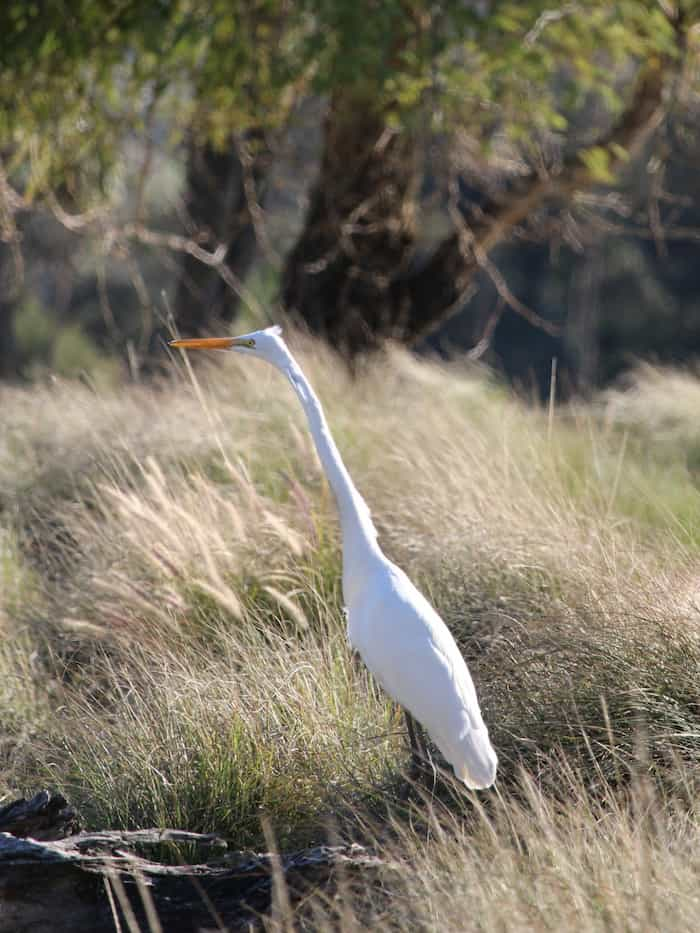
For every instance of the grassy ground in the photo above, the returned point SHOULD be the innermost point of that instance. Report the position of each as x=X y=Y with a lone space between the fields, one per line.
x=172 y=646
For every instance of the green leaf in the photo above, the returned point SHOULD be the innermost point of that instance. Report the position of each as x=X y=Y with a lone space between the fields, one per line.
x=597 y=161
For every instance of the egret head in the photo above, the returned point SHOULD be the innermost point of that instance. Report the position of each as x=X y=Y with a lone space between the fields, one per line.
x=266 y=344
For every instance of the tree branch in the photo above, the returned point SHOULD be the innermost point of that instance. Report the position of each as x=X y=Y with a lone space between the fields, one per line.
x=115 y=236
x=436 y=292
x=67 y=885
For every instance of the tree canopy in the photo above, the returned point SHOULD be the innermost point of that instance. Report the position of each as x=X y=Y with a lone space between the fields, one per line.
x=74 y=76
x=546 y=98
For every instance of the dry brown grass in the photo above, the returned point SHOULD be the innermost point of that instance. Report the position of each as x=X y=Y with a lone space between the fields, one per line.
x=174 y=647
x=527 y=865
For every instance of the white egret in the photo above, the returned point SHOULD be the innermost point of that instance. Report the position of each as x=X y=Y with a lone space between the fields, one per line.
x=398 y=634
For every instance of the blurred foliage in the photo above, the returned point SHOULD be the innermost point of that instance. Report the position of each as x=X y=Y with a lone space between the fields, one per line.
x=74 y=77
x=35 y=331
x=74 y=354
x=44 y=345
x=81 y=82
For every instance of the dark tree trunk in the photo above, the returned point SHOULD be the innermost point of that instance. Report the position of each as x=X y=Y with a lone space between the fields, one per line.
x=9 y=361
x=220 y=186
x=351 y=277
x=359 y=236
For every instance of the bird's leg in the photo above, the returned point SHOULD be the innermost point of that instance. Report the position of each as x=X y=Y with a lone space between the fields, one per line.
x=418 y=753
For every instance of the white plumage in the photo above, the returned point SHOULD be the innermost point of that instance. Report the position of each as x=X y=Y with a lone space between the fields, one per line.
x=409 y=649
x=398 y=634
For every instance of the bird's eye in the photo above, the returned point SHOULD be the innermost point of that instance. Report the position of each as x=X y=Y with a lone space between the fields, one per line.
x=250 y=343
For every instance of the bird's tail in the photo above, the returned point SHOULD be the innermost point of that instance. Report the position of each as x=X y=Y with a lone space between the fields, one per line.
x=474 y=760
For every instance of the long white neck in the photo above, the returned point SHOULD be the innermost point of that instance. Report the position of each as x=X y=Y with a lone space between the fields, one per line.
x=359 y=533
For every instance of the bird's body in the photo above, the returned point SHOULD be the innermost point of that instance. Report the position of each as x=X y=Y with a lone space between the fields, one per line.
x=411 y=652
x=398 y=634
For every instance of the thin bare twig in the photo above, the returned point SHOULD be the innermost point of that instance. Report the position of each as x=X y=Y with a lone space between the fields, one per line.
x=545 y=19
x=677 y=232
x=145 y=169
x=253 y=205
x=118 y=236
x=484 y=342
x=115 y=235
x=471 y=247
x=501 y=286
x=10 y=203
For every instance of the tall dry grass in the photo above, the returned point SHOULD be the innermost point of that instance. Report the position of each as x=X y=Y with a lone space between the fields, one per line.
x=526 y=864
x=173 y=643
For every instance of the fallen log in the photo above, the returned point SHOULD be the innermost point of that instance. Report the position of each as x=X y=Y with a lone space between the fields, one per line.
x=102 y=881
x=45 y=816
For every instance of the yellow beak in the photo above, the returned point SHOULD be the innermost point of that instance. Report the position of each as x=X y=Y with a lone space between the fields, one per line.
x=204 y=343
